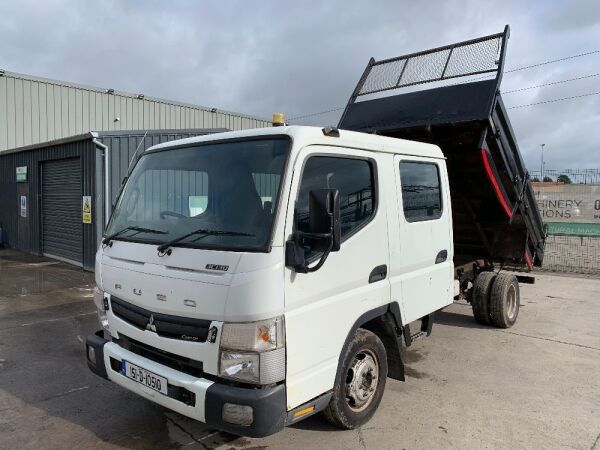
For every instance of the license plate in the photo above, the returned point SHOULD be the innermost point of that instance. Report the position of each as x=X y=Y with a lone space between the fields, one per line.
x=144 y=377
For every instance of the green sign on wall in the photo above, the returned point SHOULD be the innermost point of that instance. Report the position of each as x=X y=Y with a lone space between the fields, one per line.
x=574 y=229
x=21 y=174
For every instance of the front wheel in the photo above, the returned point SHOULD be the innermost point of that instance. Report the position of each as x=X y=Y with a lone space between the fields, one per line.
x=359 y=389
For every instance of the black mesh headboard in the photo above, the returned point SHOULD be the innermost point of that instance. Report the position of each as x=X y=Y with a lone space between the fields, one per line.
x=481 y=56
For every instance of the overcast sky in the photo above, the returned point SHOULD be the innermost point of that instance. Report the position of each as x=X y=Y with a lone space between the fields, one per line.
x=304 y=57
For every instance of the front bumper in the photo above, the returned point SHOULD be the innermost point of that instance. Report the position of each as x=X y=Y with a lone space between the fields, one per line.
x=197 y=398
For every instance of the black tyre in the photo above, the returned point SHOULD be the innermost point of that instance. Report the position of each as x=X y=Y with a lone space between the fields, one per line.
x=505 y=301
x=361 y=382
x=480 y=298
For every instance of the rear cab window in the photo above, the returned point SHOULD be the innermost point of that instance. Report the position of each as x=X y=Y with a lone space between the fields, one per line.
x=421 y=190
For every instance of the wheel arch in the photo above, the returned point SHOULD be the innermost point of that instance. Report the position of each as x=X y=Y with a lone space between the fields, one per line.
x=385 y=322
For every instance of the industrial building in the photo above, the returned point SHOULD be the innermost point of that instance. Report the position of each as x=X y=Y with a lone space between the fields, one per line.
x=57 y=196
x=35 y=110
x=59 y=177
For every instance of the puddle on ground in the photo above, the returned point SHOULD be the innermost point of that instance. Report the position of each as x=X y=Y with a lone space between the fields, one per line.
x=412 y=356
x=413 y=373
x=28 y=276
x=29 y=282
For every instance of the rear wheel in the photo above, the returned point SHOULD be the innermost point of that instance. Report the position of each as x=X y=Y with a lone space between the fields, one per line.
x=505 y=301
x=359 y=389
x=480 y=298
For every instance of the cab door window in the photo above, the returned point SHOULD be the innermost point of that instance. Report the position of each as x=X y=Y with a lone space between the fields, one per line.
x=353 y=178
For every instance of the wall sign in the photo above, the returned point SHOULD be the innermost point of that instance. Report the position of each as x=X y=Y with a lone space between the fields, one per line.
x=569 y=209
x=87 y=209
x=574 y=229
x=23 y=206
x=568 y=202
x=21 y=174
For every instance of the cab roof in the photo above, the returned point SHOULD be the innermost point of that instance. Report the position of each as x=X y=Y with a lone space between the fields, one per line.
x=305 y=135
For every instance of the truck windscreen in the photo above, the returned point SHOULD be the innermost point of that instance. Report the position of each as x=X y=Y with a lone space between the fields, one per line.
x=229 y=188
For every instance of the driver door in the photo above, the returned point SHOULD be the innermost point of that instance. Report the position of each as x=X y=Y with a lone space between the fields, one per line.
x=321 y=307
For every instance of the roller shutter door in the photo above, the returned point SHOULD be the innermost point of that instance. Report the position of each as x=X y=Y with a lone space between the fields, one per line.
x=62 y=233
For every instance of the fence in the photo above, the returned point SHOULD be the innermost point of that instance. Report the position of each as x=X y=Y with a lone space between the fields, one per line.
x=577 y=254
x=573 y=176
x=571 y=212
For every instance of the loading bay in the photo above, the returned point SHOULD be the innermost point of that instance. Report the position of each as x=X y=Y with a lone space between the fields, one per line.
x=535 y=385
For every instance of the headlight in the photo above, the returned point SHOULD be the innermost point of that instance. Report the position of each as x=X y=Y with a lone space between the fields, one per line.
x=242 y=366
x=100 y=302
x=253 y=352
x=253 y=336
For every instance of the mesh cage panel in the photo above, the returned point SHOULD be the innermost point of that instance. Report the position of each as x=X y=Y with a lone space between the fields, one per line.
x=475 y=58
x=383 y=76
x=458 y=60
x=423 y=68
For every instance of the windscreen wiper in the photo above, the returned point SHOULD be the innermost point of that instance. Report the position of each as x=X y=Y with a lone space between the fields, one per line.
x=164 y=248
x=110 y=237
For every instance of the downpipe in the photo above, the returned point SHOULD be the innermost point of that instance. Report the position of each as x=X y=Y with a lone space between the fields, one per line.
x=107 y=211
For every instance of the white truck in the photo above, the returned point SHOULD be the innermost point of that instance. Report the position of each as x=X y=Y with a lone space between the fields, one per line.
x=251 y=279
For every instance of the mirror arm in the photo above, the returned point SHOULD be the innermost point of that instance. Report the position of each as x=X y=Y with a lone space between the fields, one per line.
x=295 y=256
x=305 y=268
x=322 y=260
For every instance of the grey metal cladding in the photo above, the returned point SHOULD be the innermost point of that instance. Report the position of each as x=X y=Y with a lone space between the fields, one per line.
x=83 y=149
x=34 y=110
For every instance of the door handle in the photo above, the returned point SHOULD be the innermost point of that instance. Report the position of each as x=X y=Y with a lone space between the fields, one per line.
x=441 y=256
x=378 y=273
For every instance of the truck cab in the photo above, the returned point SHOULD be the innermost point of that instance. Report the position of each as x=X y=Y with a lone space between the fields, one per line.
x=251 y=279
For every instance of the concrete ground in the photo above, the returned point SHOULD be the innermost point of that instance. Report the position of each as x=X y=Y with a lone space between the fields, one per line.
x=536 y=385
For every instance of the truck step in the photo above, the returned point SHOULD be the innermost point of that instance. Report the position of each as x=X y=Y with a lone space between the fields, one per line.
x=426 y=325
x=420 y=334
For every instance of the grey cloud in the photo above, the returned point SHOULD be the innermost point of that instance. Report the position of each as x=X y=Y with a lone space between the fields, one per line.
x=304 y=57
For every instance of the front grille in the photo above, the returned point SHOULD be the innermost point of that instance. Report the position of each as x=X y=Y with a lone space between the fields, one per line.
x=177 y=362
x=174 y=327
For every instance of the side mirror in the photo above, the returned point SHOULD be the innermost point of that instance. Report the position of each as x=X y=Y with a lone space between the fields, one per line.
x=324 y=219
x=324 y=233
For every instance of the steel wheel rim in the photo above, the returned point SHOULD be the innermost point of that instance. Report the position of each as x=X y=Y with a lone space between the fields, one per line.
x=511 y=302
x=362 y=379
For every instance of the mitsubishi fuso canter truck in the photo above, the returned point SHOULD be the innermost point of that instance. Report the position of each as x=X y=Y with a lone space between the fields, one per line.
x=251 y=279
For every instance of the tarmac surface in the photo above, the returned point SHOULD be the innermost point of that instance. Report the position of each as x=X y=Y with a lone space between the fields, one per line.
x=536 y=385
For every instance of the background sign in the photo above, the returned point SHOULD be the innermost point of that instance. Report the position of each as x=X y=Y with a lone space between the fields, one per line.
x=569 y=209
x=21 y=174
x=23 y=206
x=87 y=209
x=568 y=202
x=574 y=229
